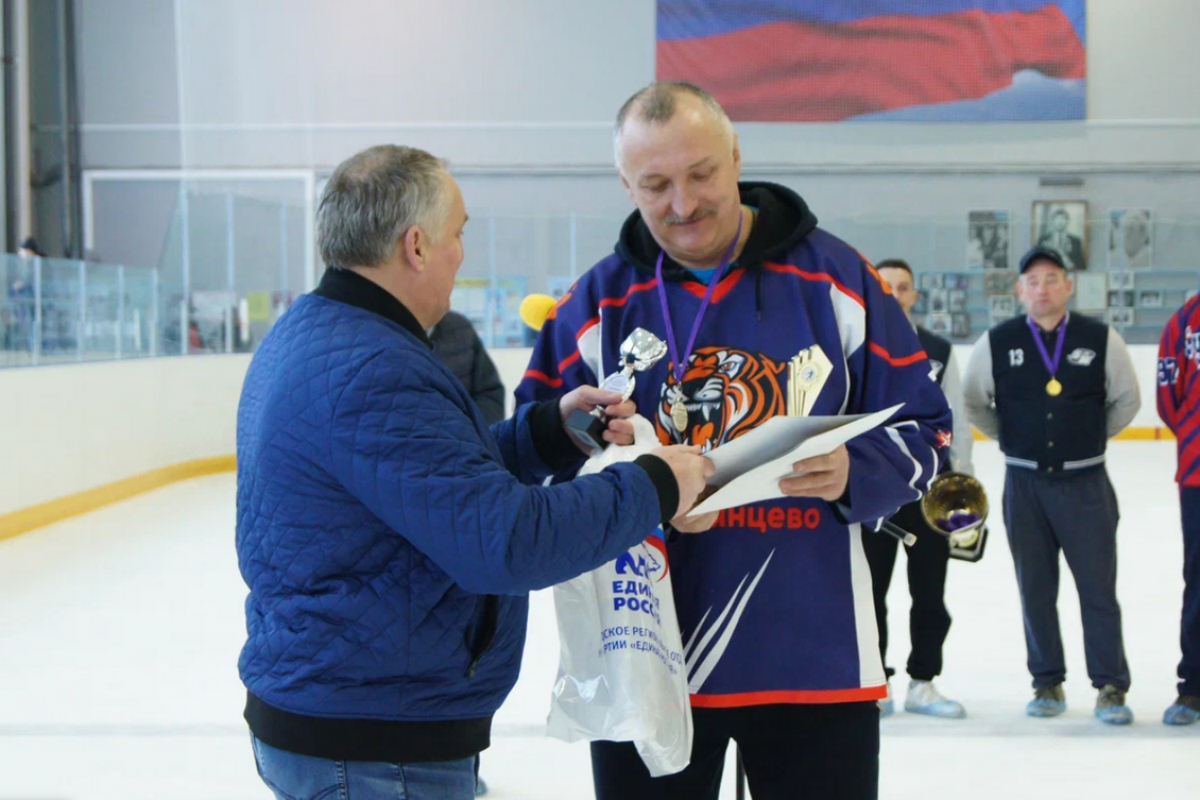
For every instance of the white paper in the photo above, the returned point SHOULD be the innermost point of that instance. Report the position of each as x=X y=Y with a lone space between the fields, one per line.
x=751 y=466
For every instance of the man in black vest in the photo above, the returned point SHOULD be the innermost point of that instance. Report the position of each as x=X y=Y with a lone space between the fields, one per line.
x=1053 y=387
x=928 y=621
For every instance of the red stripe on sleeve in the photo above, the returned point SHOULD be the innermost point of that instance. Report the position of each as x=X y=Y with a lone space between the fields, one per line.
x=553 y=383
x=898 y=362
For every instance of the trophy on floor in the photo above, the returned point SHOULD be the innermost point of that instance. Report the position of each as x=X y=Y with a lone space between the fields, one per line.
x=640 y=351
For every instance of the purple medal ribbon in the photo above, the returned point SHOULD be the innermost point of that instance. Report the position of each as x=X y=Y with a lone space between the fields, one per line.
x=680 y=364
x=1052 y=366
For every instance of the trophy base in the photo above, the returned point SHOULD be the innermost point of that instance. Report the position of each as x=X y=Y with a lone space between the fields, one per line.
x=588 y=429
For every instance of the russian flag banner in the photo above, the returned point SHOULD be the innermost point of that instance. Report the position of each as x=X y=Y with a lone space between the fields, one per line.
x=917 y=60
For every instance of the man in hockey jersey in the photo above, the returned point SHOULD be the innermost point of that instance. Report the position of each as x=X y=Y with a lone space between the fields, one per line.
x=764 y=314
x=929 y=621
x=1179 y=407
x=1053 y=387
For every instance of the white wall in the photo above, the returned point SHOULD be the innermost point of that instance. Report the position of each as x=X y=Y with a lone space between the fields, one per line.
x=70 y=428
x=536 y=83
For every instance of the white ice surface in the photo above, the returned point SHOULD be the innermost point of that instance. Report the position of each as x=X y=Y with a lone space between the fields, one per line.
x=119 y=635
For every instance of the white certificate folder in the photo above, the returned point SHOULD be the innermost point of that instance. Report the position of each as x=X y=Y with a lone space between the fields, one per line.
x=750 y=467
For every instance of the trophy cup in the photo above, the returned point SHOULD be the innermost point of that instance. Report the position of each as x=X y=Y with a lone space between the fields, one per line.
x=639 y=352
x=807 y=373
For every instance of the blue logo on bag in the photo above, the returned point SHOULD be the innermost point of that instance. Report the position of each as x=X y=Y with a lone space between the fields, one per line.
x=645 y=565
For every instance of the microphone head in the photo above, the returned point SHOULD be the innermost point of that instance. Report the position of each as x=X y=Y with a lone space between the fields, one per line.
x=535 y=308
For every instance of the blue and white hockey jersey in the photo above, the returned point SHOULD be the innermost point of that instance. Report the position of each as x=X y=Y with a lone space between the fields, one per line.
x=775 y=601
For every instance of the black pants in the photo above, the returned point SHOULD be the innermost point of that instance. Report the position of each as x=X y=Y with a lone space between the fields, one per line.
x=929 y=621
x=1189 y=629
x=790 y=752
x=1076 y=515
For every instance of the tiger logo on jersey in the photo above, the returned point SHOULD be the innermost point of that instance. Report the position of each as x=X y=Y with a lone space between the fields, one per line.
x=726 y=393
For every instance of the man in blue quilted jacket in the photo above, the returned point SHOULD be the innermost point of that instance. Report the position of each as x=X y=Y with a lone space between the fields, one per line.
x=389 y=536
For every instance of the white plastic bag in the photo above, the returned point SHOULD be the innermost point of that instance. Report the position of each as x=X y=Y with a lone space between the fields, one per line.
x=621 y=674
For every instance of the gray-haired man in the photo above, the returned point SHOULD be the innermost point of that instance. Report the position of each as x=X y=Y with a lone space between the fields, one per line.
x=389 y=537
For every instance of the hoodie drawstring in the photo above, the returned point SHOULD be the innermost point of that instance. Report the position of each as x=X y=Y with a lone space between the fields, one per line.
x=758 y=293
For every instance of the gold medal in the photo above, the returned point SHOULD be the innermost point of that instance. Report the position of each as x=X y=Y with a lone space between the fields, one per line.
x=1054 y=388
x=679 y=416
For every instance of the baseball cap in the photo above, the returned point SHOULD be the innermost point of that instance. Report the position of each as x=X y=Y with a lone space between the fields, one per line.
x=1038 y=253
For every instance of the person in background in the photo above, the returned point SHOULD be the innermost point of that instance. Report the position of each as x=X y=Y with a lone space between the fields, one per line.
x=929 y=621
x=459 y=347
x=29 y=249
x=1179 y=407
x=1053 y=388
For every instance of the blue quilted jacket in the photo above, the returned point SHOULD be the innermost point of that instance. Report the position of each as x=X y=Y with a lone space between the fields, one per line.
x=389 y=537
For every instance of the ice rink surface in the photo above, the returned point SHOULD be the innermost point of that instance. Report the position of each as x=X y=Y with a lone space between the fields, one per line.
x=120 y=630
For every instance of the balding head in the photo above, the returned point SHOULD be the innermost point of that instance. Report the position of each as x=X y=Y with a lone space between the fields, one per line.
x=678 y=157
x=658 y=103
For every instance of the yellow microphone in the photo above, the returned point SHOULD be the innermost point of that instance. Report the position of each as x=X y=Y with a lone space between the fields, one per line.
x=535 y=308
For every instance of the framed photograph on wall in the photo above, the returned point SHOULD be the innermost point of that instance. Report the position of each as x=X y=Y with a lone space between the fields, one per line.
x=958 y=300
x=1120 y=317
x=1001 y=308
x=1150 y=298
x=1130 y=240
x=1120 y=298
x=1062 y=225
x=1091 y=291
x=921 y=304
x=939 y=301
x=988 y=235
x=960 y=325
x=1121 y=280
x=941 y=324
x=1001 y=281
x=933 y=280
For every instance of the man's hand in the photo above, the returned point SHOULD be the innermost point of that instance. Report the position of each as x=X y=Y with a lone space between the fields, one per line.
x=822 y=476
x=586 y=398
x=691 y=470
x=700 y=524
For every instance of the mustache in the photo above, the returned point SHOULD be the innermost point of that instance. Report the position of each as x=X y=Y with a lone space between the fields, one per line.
x=698 y=214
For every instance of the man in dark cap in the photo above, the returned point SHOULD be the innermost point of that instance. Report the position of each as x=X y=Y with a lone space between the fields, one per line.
x=1053 y=388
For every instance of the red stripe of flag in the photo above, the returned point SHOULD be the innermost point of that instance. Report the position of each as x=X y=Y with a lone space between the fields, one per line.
x=795 y=71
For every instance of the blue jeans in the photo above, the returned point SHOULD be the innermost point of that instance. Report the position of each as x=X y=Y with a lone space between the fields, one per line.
x=295 y=777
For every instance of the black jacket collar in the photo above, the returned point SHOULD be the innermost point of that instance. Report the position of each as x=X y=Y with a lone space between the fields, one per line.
x=353 y=289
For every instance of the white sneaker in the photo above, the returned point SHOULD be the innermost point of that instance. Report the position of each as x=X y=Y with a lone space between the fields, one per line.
x=886 y=706
x=923 y=698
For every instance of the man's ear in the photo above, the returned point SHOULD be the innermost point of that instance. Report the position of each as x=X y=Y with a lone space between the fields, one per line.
x=415 y=245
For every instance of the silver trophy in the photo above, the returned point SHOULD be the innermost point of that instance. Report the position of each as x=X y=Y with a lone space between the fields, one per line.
x=640 y=351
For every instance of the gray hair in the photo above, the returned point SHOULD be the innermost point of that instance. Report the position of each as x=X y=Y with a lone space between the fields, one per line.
x=655 y=104
x=373 y=197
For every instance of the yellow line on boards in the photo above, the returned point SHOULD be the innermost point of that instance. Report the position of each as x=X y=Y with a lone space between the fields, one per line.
x=28 y=519
x=1128 y=435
